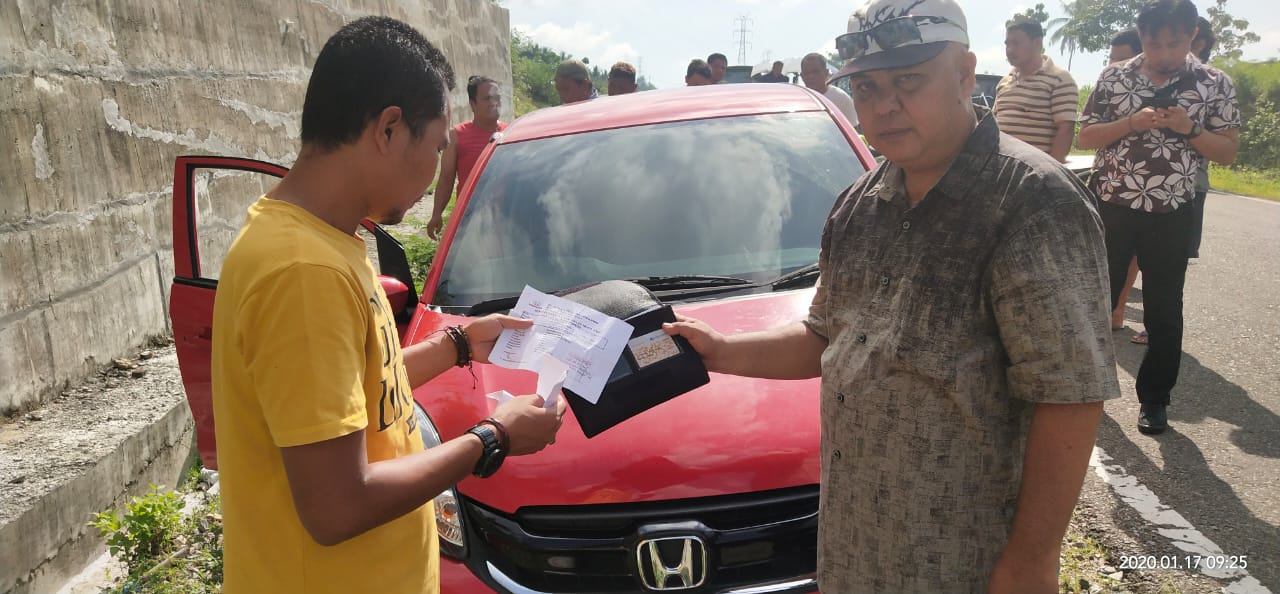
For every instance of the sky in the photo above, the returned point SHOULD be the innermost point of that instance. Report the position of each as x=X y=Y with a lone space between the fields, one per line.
x=661 y=36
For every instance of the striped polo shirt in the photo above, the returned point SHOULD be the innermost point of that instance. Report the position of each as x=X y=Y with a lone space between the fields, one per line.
x=1030 y=107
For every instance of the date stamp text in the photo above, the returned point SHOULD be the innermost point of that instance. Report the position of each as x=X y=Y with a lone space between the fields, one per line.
x=1183 y=562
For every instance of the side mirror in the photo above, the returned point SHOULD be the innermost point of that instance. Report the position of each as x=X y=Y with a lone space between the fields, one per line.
x=395 y=277
x=398 y=295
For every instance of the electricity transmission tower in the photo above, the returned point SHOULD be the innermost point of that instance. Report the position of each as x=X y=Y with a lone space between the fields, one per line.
x=740 y=32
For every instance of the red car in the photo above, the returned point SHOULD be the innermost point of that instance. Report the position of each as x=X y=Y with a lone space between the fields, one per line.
x=715 y=199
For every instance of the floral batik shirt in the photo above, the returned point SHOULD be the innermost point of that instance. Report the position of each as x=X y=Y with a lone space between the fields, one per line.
x=1155 y=171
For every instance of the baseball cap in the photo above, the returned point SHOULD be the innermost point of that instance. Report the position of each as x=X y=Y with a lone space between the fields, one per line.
x=573 y=69
x=897 y=33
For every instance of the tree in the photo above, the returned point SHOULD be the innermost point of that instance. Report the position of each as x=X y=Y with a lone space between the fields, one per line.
x=1232 y=33
x=533 y=67
x=1258 y=92
x=1037 y=14
x=1061 y=32
x=1089 y=25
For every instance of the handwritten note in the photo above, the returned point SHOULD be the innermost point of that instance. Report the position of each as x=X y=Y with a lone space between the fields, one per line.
x=586 y=341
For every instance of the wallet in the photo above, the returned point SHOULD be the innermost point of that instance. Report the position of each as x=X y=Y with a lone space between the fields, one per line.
x=654 y=367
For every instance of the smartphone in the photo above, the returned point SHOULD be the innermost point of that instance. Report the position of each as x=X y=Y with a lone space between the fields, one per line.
x=1160 y=102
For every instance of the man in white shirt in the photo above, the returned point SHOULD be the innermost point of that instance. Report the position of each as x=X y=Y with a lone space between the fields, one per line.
x=814 y=71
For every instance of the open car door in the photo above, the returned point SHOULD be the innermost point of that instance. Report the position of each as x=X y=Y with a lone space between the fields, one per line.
x=210 y=197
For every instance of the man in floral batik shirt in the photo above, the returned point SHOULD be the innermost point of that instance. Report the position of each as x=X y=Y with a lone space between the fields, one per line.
x=1150 y=155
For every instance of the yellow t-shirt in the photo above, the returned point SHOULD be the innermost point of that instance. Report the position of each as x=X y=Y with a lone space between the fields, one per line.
x=305 y=350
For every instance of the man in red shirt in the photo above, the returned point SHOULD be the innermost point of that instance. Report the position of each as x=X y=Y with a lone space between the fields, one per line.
x=466 y=140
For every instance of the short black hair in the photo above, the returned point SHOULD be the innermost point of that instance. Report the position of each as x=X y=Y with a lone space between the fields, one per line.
x=369 y=65
x=1033 y=29
x=1177 y=15
x=697 y=66
x=778 y=63
x=624 y=71
x=1205 y=32
x=473 y=85
x=1130 y=38
x=718 y=56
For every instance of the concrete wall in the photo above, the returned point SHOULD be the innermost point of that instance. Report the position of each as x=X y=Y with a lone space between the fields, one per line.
x=99 y=97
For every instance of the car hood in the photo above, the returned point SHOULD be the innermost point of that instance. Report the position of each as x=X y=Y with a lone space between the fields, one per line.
x=733 y=435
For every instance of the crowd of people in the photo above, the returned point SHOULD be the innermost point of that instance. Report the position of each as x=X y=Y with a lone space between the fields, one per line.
x=962 y=324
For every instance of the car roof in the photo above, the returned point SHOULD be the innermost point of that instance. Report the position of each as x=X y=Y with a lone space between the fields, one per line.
x=660 y=106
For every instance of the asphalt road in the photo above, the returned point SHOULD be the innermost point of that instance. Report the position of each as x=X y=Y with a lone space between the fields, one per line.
x=1218 y=467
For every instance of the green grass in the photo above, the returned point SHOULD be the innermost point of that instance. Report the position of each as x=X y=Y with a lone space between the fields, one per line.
x=1246 y=182
x=1081 y=564
x=1259 y=184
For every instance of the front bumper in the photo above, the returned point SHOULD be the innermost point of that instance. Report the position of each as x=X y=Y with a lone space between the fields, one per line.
x=755 y=543
x=456 y=578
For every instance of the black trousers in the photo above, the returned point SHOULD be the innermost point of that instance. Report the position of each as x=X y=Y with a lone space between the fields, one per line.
x=1197 y=223
x=1160 y=241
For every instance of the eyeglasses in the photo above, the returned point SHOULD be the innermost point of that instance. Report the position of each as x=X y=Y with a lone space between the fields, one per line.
x=887 y=35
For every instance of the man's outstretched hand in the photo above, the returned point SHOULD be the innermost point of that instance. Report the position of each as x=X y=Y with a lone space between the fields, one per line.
x=709 y=343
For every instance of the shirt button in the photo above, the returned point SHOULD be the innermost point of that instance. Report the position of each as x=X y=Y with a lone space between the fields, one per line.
x=906 y=225
x=884 y=281
x=839 y=397
x=862 y=338
x=835 y=455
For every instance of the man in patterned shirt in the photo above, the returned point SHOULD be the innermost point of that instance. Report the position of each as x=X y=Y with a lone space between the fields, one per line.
x=1036 y=102
x=959 y=327
x=1157 y=119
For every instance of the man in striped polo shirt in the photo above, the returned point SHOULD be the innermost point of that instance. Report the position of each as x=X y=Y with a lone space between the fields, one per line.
x=1036 y=102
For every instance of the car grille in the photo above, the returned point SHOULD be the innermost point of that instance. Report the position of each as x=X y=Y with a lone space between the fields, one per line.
x=750 y=539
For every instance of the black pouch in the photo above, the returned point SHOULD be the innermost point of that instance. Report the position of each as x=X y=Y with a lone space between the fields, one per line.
x=653 y=368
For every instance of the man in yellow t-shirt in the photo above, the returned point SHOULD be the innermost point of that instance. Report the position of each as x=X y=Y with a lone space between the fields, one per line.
x=325 y=485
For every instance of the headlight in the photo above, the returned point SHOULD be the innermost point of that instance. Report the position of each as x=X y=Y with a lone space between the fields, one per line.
x=453 y=540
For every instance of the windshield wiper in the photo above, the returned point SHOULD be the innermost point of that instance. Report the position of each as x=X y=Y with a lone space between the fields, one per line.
x=491 y=306
x=795 y=277
x=688 y=281
x=662 y=286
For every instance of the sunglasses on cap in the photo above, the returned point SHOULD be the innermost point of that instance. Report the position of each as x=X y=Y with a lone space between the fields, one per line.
x=887 y=35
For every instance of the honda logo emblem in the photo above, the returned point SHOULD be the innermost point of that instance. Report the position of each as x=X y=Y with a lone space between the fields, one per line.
x=672 y=563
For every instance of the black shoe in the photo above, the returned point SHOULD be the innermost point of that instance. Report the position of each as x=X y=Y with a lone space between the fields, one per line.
x=1153 y=419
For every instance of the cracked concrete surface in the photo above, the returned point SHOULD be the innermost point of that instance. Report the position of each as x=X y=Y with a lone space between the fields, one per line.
x=87 y=450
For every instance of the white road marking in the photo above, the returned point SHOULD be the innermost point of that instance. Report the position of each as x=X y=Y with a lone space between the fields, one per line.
x=1172 y=525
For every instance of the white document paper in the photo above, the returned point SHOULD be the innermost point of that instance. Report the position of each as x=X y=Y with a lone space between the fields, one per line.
x=585 y=340
x=499 y=398
x=551 y=376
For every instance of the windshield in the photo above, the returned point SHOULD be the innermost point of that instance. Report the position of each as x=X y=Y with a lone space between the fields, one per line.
x=742 y=197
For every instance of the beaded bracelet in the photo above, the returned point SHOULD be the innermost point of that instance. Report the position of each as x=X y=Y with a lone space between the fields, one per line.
x=460 y=343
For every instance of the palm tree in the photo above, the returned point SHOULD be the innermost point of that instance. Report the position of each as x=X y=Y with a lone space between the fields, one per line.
x=1061 y=31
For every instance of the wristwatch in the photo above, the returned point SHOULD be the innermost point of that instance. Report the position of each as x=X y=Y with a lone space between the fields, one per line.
x=493 y=454
x=1195 y=130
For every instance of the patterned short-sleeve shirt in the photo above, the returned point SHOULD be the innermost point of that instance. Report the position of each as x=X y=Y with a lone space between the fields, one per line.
x=946 y=322
x=1155 y=171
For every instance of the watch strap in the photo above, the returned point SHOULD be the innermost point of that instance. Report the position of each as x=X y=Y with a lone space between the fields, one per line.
x=493 y=452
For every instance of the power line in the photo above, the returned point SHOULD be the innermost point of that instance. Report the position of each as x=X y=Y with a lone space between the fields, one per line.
x=740 y=32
